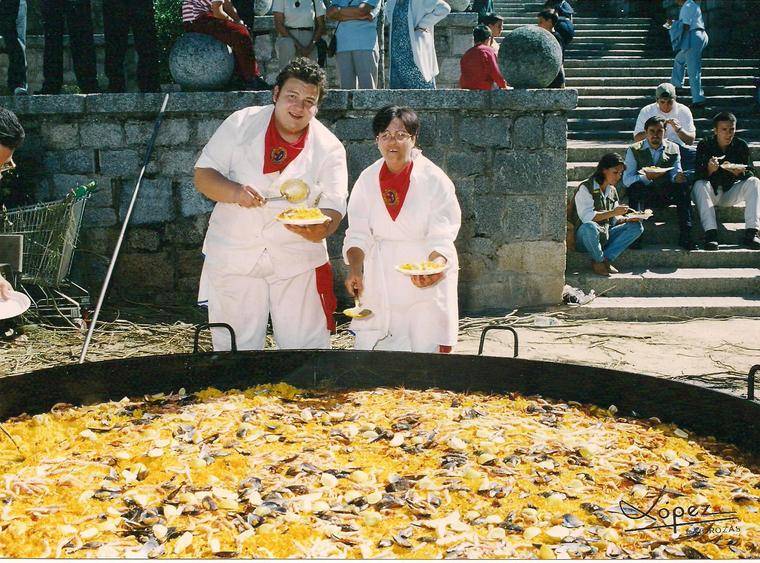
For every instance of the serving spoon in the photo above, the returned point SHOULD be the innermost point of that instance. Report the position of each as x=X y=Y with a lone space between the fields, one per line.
x=294 y=191
x=357 y=311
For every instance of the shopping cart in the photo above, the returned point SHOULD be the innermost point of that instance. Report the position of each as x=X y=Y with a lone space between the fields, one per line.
x=50 y=233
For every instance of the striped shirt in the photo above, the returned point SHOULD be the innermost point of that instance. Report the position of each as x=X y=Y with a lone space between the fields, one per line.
x=193 y=9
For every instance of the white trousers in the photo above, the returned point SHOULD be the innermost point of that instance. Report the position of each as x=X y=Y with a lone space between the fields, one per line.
x=286 y=48
x=245 y=302
x=746 y=191
x=414 y=329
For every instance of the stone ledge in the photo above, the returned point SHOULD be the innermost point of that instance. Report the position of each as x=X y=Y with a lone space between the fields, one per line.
x=227 y=102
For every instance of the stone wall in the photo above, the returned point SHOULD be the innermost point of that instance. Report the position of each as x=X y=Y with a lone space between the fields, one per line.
x=504 y=150
x=453 y=36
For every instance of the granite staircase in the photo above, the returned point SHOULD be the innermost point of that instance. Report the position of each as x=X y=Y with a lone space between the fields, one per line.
x=616 y=64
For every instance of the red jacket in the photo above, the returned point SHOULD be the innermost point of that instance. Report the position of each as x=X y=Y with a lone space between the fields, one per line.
x=479 y=69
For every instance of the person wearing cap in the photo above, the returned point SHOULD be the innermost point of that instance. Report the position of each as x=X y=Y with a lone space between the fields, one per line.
x=495 y=24
x=679 y=123
x=11 y=136
x=547 y=19
x=647 y=188
x=478 y=66
x=721 y=185
x=564 y=26
x=693 y=41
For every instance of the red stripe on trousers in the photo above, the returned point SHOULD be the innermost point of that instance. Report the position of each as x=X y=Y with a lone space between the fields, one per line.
x=233 y=34
x=327 y=294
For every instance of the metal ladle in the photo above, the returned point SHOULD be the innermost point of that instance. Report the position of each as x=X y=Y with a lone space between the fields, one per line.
x=357 y=311
x=294 y=191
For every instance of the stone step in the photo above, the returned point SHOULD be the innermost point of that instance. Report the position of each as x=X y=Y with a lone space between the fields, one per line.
x=632 y=95
x=588 y=151
x=587 y=43
x=661 y=73
x=642 y=309
x=670 y=282
x=612 y=51
x=623 y=125
x=741 y=112
x=622 y=136
x=599 y=23
x=590 y=31
x=665 y=62
x=649 y=83
x=671 y=256
x=579 y=171
x=739 y=96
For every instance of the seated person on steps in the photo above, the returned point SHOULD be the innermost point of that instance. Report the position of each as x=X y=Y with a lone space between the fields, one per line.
x=648 y=188
x=596 y=215
x=720 y=184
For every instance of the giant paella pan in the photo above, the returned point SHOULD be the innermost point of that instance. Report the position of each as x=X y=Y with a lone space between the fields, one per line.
x=372 y=454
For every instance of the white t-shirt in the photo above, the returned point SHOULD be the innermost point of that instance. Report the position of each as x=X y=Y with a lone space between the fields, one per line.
x=301 y=16
x=679 y=112
x=691 y=14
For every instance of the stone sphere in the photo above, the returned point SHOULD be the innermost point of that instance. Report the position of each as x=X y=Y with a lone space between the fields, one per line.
x=262 y=7
x=458 y=5
x=200 y=62
x=530 y=57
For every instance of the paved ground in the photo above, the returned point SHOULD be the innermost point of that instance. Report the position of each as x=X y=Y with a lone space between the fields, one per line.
x=711 y=352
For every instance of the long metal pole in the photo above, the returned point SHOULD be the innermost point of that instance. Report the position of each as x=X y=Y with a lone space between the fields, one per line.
x=112 y=264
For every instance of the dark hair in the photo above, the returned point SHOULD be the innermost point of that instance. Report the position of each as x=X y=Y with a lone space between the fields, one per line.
x=11 y=132
x=481 y=33
x=549 y=15
x=304 y=70
x=491 y=18
x=653 y=121
x=609 y=160
x=387 y=114
x=724 y=116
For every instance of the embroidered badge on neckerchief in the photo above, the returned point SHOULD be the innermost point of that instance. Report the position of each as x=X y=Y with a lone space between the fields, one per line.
x=394 y=187
x=278 y=153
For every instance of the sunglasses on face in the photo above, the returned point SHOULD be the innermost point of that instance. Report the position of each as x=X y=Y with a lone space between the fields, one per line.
x=400 y=136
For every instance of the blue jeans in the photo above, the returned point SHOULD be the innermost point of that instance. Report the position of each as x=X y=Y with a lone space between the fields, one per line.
x=621 y=237
x=691 y=58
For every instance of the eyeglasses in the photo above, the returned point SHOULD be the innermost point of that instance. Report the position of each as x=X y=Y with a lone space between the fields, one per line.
x=10 y=165
x=400 y=136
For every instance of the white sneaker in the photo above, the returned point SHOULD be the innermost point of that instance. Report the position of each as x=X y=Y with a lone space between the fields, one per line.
x=20 y=91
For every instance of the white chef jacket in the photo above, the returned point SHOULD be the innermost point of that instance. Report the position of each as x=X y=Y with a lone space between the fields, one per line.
x=422 y=13
x=237 y=236
x=429 y=221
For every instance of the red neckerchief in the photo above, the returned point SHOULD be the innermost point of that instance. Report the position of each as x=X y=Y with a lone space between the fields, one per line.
x=394 y=187
x=278 y=153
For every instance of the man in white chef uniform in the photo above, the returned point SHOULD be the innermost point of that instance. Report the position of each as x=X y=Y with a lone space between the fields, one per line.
x=254 y=265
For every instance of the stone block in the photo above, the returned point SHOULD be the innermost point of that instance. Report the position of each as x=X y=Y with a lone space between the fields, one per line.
x=140 y=273
x=177 y=162
x=103 y=195
x=471 y=267
x=60 y=135
x=127 y=102
x=336 y=99
x=528 y=132
x=555 y=131
x=554 y=217
x=101 y=135
x=189 y=264
x=489 y=214
x=99 y=217
x=192 y=202
x=154 y=202
x=353 y=129
x=449 y=74
x=522 y=220
x=205 y=128
x=486 y=131
x=96 y=240
x=61 y=104
x=536 y=257
x=359 y=157
x=460 y=164
x=444 y=130
x=481 y=246
x=64 y=183
x=120 y=163
x=142 y=239
x=187 y=232
x=420 y=99
x=172 y=132
x=533 y=100
x=530 y=172
x=538 y=290
x=465 y=190
x=460 y=44
x=70 y=161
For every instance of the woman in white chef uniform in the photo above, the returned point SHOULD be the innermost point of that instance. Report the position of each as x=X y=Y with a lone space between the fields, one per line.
x=402 y=209
x=255 y=266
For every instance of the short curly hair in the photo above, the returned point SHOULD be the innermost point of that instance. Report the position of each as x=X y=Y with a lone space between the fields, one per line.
x=304 y=70
x=11 y=131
